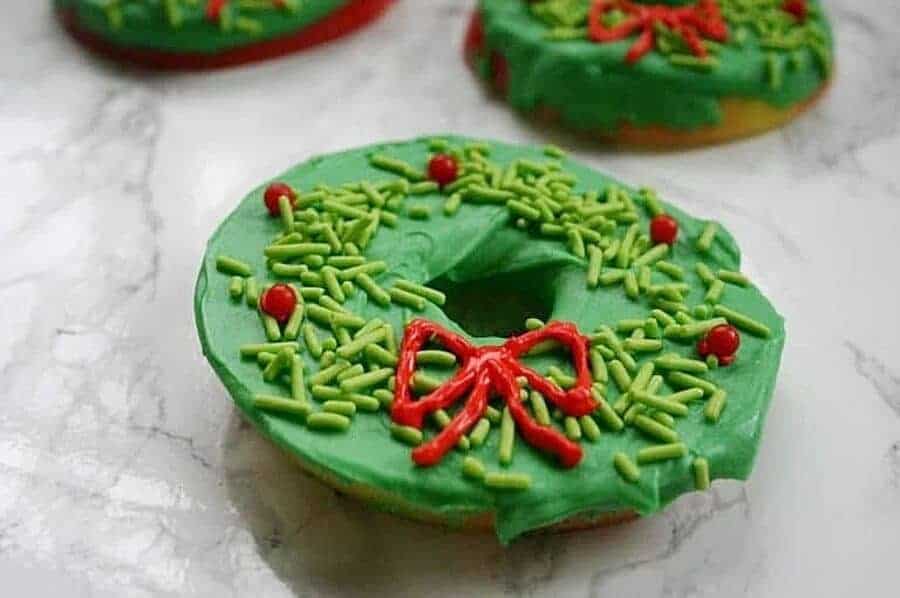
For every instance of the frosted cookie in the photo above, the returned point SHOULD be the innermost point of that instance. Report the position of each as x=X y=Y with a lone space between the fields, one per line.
x=486 y=335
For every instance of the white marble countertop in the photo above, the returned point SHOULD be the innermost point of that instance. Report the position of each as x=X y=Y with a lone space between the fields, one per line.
x=125 y=471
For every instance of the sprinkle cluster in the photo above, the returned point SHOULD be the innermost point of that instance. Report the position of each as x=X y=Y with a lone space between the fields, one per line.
x=789 y=30
x=320 y=251
x=229 y=15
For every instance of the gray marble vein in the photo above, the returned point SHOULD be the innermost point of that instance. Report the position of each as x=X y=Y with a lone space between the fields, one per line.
x=124 y=470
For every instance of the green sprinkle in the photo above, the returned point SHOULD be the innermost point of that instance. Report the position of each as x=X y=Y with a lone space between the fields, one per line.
x=380 y=356
x=743 y=321
x=289 y=270
x=367 y=380
x=451 y=206
x=328 y=373
x=598 y=367
x=292 y=328
x=681 y=364
x=253 y=350
x=229 y=265
x=663 y=418
x=701 y=473
x=712 y=361
x=643 y=345
x=423 y=188
x=329 y=277
x=671 y=270
x=626 y=467
x=663 y=318
x=608 y=415
x=371 y=288
x=735 y=278
x=654 y=429
x=611 y=277
x=661 y=452
x=298 y=385
x=714 y=293
x=311 y=339
x=686 y=396
x=632 y=289
x=473 y=468
x=363 y=402
x=589 y=428
x=345 y=408
x=328 y=422
x=407 y=299
x=479 y=432
x=707 y=63
x=507 y=481
x=656 y=253
x=236 y=288
x=422 y=383
x=435 y=296
x=481 y=194
x=554 y=151
x=357 y=345
x=572 y=428
x=433 y=357
x=320 y=392
x=539 y=407
x=655 y=402
x=384 y=396
x=407 y=434
x=704 y=243
x=281 y=405
x=595 y=265
x=507 y=437
x=354 y=370
x=620 y=375
x=251 y=292
x=294 y=250
x=419 y=212
x=683 y=380
x=714 y=407
x=396 y=166
x=287 y=214
x=390 y=342
x=312 y=293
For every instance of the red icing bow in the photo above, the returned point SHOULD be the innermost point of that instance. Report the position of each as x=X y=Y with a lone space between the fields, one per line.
x=487 y=370
x=691 y=23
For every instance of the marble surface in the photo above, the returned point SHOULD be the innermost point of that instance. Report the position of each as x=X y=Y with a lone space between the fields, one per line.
x=125 y=471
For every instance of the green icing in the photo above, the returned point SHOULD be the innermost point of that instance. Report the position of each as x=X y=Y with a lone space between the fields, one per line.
x=147 y=23
x=593 y=88
x=478 y=247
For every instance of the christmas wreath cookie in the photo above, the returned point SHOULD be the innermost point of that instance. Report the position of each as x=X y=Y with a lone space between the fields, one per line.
x=661 y=73
x=486 y=335
x=202 y=34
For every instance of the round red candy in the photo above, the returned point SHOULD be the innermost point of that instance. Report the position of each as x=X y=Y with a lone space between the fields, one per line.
x=274 y=192
x=279 y=302
x=722 y=341
x=798 y=8
x=443 y=169
x=663 y=229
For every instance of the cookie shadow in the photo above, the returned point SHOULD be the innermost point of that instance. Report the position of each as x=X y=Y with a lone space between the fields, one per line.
x=319 y=542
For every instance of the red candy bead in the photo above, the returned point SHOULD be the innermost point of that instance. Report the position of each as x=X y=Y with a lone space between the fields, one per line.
x=722 y=341
x=663 y=229
x=798 y=8
x=274 y=193
x=279 y=302
x=443 y=169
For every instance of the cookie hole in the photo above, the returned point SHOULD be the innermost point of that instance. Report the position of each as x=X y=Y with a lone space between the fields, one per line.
x=499 y=305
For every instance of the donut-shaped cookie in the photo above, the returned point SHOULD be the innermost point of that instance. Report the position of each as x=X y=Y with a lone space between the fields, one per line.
x=675 y=73
x=481 y=334
x=206 y=34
